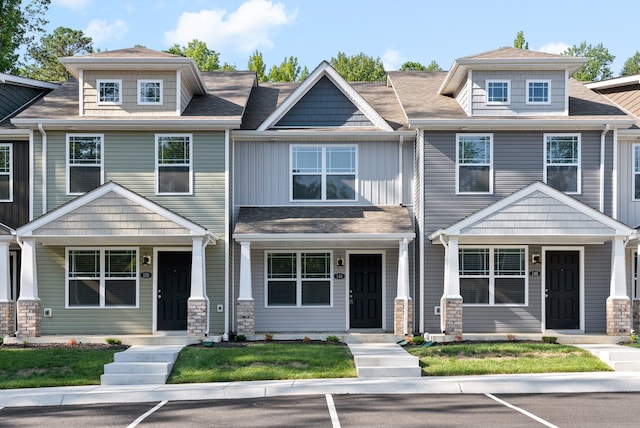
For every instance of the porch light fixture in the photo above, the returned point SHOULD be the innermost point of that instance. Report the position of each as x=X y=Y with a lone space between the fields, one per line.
x=339 y=261
x=535 y=259
x=146 y=260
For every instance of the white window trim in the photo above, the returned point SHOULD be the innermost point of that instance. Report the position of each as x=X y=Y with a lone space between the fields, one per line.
x=633 y=171
x=10 y=173
x=548 y=82
x=109 y=103
x=498 y=103
x=149 y=103
x=458 y=192
x=579 y=163
x=635 y=286
x=298 y=279
x=102 y=278
x=492 y=276
x=323 y=173
x=68 y=161
x=157 y=167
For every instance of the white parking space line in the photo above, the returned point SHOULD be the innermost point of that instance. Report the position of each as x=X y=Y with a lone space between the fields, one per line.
x=144 y=416
x=524 y=412
x=332 y=411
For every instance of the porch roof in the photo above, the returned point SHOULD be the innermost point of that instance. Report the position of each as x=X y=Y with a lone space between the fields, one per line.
x=336 y=223
x=6 y=233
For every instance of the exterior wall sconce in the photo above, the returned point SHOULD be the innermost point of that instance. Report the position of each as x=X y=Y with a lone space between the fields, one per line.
x=339 y=261
x=146 y=260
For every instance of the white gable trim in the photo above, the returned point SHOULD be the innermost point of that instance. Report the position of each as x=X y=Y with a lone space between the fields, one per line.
x=456 y=229
x=325 y=69
x=194 y=229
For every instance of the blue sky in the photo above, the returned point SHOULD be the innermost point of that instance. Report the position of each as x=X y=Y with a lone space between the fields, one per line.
x=316 y=30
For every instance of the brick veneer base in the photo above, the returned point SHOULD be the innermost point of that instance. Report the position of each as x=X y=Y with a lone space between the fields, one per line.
x=618 y=317
x=451 y=308
x=196 y=317
x=7 y=318
x=29 y=318
x=246 y=317
x=398 y=317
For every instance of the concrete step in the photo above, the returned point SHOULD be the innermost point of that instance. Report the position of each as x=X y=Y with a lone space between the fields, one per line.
x=148 y=354
x=384 y=360
x=387 y=361
x=625 y=366
x=138 y=368
x=141 y=365
x=388 y=371
x=129 y=379
x=621 y=355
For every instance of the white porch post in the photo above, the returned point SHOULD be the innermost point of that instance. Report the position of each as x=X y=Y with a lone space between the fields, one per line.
x=451 y=301
x=618 y=302
x=7 y=308
x=403 y=313
x=198 y=303
x=197 y=269
x=29 y=316
x=246 y=322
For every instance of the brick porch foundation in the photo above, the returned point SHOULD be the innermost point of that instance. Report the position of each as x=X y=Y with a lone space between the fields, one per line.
x=196 y=317
x=618 y=316
x=398 y=317
x=246 y=317
x=29 y=318
x=7 y=318
x=451 y=308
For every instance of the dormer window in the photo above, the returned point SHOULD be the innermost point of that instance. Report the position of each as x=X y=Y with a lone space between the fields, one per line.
x=149 y=92
x=538 y=91
x=498 y=92
x=109 y=92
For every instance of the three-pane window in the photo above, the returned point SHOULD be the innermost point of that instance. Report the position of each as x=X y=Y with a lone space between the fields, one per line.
x=173 y=163
x=102 y=277
x=498 y=92
x=323 y=173
x=474 y=163
x=6 y=173
x=562 y=162
x=84 y=160
x=149 y=91
x=298 y=279
x=109 y=91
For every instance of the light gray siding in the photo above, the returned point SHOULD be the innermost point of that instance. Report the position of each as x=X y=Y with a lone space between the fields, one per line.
x=463 y=97
x=518 y=91
x=629 y=209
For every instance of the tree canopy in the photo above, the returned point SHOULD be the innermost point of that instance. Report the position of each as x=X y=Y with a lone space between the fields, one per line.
x=20 y=22
x=631 y=65
x=288 y=71
x=519 y=42
x=598 y=65
x=359 y=68
x=416 y=66
x=206 y=59
x=256 y=63
x=62 y=42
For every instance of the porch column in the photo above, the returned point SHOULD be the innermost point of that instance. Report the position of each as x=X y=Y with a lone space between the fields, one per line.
x=245 y=305
x=198 y=303
x=618 y=302
x=6 y=304
x=403 y=307
x=451 y=301
x=29 y=306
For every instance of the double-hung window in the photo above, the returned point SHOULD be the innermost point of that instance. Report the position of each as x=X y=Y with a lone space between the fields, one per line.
x=109 y=92
x=493 y=275
x=474 y=172
x=498 y=92
x=149 y=92
x=636 y=172
x=298 y=279
x=562 y=162
x=102 y=277
x=84 y=162
x=6 y=172
x=538 y=91
x=174 y=164
x=323 y=173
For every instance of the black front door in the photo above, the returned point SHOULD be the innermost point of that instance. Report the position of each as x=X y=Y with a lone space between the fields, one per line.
x=365 y=290
x=562 y=292
x=174 y=288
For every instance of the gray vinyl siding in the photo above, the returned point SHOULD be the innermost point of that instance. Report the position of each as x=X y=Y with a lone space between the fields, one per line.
x=185 y=94
x=629 y=210
x=16 y=213
x=518 y=91
x=129 y=93
x=262 y=173
x=463 y=97
x=597 y=279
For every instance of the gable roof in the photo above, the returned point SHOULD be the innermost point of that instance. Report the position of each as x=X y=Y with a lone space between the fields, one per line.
x=115 y=215
x=541 y=213
x=623 y=91
x=324 y=70
x=17 y=93
x=7 y=234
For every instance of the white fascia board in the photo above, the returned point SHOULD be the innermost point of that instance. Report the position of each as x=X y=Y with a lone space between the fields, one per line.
x=612 y=83
x=308 y=237
x=519 y=124
x=23 y=81
x=130 y=124
x=332 y=135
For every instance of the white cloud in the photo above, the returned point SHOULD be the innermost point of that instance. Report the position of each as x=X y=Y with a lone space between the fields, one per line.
x=72 y=4
x=554 y=47
x=392 y=59
x=246 y=29
x=101 y=31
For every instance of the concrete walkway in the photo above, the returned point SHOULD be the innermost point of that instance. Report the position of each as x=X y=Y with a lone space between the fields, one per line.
x=382 y=360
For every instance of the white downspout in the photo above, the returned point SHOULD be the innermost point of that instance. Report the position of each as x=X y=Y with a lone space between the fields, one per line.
x=614 y=176
x=445 y=290
x=602 y=154
x=400 y=175
x=227 y=235
x=44 y=168
x=421 y=220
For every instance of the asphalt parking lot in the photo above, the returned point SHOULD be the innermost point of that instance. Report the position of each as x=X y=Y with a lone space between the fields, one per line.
x=397 y=410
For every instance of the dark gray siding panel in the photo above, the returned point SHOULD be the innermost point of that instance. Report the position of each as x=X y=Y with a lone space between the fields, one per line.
x=14 y=97
x=16 y=213
x=597 y=279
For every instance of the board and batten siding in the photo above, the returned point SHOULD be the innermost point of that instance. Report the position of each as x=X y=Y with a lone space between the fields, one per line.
x=129 y=93
x=263 y=174
x=518 y=93
x=16 y=213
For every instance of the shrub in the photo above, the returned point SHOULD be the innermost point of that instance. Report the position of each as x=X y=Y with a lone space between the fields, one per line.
x=549 y=339
x=418 y=340
x=113 y=341
x=240 y=337
x=334 y=339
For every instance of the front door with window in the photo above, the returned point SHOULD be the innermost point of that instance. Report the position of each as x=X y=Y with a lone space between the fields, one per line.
x=365 y=290
x=562 y=290
x=174 y=288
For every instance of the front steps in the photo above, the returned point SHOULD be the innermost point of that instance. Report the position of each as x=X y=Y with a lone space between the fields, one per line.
x=620 y=358
x=380 y=360
x=141 y=365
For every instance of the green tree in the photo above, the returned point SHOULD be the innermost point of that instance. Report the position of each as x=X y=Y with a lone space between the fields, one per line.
x=62 y=42
x=256 y=63
x=205 y=58
x=631 y=65
x=520 y=42
x=288 y=71
x=416 y=66
x=359 y=68
x=597 y=66
x=20 y=22
x=228 y=67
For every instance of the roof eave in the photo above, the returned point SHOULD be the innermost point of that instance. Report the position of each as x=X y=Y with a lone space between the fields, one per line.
x=128 y=124
x=306 y=237
x=518 y=124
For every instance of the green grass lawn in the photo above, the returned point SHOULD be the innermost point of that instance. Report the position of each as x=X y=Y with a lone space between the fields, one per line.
x=262 y=361
x=35 y=367
x=504 y=358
